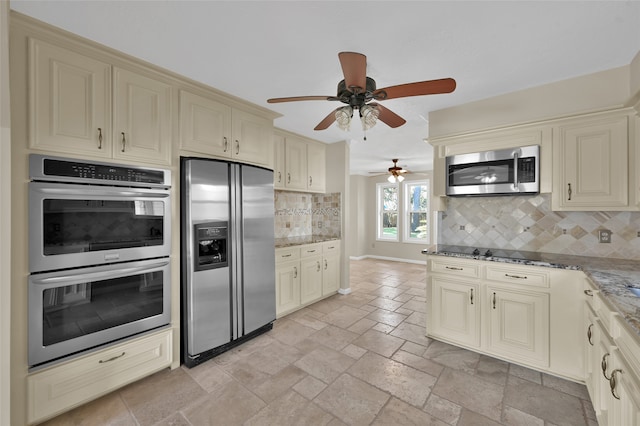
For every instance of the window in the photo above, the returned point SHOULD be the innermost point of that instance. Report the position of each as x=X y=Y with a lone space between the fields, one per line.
x=416 y=227
x=387 y=195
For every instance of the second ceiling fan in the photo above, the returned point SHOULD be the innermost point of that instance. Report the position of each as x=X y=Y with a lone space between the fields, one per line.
x=358 y=91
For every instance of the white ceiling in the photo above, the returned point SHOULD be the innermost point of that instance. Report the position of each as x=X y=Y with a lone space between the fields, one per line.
x=257 y=50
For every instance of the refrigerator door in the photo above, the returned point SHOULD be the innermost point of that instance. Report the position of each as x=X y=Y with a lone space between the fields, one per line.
x=257 y=252
x=208 y=292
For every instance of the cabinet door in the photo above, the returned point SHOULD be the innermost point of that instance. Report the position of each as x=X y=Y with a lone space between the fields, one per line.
x=590 y=363
x=296 y=164
x=287 y=286
x=592 y=164
x=279 y=171
x=518 y=324
x=142 y=118
x=316 y=167
x=455 y=315
x=330 y=273
x=624 y=393
x=205 y=125
x=311 y=279
x=70 y=101
x=252 y=138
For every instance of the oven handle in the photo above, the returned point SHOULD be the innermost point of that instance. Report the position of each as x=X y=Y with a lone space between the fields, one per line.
x=147 y=193
x=96 y=276
x=515 y=170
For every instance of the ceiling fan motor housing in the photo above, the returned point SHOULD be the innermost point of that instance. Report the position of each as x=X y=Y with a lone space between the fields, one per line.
x=356 y=99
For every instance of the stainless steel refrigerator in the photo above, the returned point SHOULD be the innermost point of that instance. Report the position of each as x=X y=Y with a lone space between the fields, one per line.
x=228 y=256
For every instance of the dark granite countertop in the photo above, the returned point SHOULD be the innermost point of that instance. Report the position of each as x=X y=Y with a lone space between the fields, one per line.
x=617 y=279
x=301 y=240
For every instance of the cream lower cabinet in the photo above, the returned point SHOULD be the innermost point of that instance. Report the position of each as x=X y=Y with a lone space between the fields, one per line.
x=74 y=98
x=62 y=387
x=506 y=311
x=306 y=274
x=210 y=127
x=612 y=367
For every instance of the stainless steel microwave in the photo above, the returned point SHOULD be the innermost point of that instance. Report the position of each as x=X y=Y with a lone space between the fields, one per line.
x=510 y=171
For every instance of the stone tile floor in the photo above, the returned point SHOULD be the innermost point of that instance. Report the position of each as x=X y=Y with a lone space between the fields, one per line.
x=350 y=359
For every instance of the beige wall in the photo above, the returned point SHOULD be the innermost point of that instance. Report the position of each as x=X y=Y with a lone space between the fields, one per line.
x=594 y=92
x=362 y=224
x=5 y=221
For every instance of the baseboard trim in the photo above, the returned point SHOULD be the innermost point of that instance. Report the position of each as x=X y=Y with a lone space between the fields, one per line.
x=393 y=259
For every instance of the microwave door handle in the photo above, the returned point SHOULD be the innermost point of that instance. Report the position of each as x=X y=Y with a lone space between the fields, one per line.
x=95 y=276
x=515 y=171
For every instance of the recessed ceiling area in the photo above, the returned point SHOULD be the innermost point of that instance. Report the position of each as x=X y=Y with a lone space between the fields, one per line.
x=257 y=50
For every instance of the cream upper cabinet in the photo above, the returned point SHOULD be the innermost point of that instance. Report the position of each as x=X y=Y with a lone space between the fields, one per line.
x=71 y=107
x=591 y=164
x=141 y=118
x=70 y=101
x=205 y=125
x=295 y=160
x=214 y=128
x=316 y=167
x=300 y=164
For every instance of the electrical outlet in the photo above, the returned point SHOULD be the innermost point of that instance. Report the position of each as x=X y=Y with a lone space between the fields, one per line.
x=604 y=236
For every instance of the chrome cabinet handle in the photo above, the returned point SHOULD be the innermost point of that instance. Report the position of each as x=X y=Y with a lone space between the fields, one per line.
x=311 y=251
x=590 y=334
x=603 y=365
x=471 y=297
x=453 y=268
x=279 y=177
x=286 y=255
x=124 y=141
x=516 y=276
x=612 y=382
x=99 y=138
x=569 y=192
x=226 y=144
x=588 y=292
x=288 y=177
x=295 y=272
x=111 y=359
x=494 y=300
x=318 y=268
x=237 y=147
x=310 y=181
x=325 y=264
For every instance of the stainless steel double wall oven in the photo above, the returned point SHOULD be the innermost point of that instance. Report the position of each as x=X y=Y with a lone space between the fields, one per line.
x=99 y=246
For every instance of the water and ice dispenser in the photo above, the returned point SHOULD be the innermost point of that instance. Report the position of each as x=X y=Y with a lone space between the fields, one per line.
x=211 y=245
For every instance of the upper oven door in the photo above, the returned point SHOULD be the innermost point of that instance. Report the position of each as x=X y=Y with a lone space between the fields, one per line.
x=72 y=226
x=507 y=171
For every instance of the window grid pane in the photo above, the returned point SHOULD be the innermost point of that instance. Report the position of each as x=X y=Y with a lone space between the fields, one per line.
x=417 y=207
x=388 y=214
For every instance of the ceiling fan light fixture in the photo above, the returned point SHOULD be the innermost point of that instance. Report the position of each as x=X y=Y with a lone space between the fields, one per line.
x=343 y=117
x=400 y=178
x=391 y=179
x=368 y=116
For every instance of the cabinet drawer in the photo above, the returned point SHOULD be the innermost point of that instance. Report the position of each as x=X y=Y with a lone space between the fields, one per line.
x=331 y=246
x=519 y=275
x=309 y=250
x=454 y=267
x=629 y=344
x=589 y=291
x=60 y=388
x=287 y=253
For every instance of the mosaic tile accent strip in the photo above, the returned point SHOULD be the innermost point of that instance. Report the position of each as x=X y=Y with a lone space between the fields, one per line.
x=300 y=214
x=528 y=223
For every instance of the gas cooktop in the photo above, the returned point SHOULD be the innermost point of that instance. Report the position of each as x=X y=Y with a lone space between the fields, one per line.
x=484 y=252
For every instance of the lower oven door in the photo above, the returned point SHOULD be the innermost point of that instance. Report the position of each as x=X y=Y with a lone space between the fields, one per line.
x=75 y=310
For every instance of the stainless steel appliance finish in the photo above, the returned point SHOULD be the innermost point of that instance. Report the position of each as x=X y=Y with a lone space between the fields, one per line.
x=74 y=310
x=502 y=172
x=99 y=248
x=84 y=213
x=228 y=255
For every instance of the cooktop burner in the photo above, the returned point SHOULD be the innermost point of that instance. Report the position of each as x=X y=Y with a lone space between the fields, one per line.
x=480 y=252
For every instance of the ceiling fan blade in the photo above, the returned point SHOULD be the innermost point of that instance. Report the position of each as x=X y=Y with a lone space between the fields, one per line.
x=354 y=68
x=388 y=117
x=431 y=87
x=302 y=98
x=328 y=121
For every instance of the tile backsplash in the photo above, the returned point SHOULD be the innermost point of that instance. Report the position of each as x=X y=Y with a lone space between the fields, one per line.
x=300 y=214
x=527 y=223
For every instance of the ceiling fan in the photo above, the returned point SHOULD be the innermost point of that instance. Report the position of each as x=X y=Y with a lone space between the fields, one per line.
x=395 y=172
x=358 y=91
